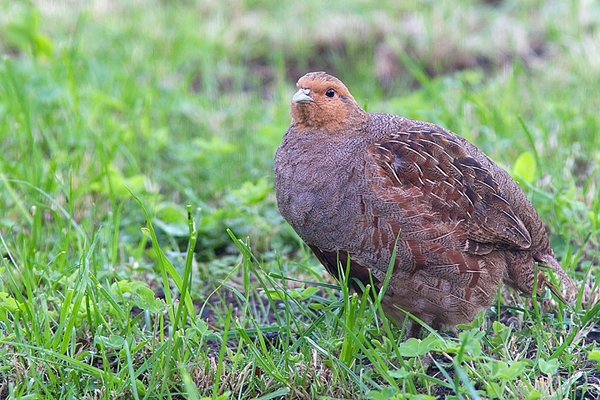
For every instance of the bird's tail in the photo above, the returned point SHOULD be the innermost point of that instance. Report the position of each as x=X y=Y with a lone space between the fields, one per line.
x=569 y=290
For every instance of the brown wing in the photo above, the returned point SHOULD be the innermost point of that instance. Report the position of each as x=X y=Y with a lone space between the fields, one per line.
x=449 y=185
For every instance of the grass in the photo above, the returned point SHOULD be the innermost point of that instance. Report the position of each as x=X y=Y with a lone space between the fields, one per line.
x=143 y=254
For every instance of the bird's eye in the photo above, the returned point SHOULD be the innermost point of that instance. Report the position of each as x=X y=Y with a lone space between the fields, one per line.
x=330 y=93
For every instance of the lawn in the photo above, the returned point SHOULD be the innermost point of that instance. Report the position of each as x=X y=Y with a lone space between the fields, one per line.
x=143 y=255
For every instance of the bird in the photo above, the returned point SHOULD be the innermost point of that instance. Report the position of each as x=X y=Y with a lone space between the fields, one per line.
x=375 y=191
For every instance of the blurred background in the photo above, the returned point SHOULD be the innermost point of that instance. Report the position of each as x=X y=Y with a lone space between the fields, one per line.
x=186 y=101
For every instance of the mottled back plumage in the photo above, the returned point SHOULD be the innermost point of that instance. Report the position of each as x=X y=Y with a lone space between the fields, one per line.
x=357 y=184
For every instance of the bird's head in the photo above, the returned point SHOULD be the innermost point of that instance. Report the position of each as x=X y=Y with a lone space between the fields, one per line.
x=323 y=102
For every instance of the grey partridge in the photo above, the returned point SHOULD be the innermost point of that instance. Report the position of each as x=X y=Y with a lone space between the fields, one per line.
x=361 y=187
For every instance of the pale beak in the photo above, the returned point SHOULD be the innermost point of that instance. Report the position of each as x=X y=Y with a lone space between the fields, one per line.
x=302 y=96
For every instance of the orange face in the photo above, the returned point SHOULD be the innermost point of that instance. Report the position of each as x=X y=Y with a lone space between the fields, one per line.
x=322 y=101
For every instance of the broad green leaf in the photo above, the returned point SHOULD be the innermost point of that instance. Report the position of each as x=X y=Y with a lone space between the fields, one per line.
x=525 y=167
x=8 y=303
x=594 y=355
x=548 y=367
